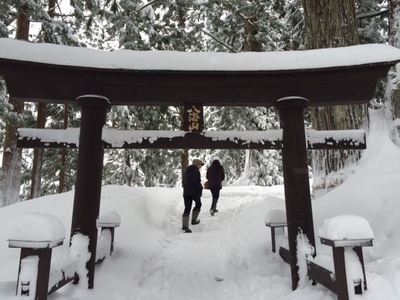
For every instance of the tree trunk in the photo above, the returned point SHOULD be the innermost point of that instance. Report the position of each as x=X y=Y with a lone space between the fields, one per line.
x=394 y=23
x=185 y=152
x=38 y=156
x=393 y=82
x=238 y=169
x=63 y=162
x=23 y=25
x=330 y=24
x=61 y=177
x=184 y=161
x=250 y=45
x=41 y=122
x=128 y=170
x=10 y=180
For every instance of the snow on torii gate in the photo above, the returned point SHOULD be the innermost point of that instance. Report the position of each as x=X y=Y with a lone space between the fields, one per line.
x=290 y=81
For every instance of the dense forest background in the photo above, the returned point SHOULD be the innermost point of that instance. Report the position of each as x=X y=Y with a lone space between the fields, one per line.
x=188 y=25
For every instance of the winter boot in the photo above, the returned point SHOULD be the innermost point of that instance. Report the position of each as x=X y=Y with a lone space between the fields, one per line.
x=213 y=208
x=185 y=223
x=195 y=214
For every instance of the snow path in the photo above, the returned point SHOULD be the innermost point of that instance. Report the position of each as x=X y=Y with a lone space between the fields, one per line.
x=204 y=264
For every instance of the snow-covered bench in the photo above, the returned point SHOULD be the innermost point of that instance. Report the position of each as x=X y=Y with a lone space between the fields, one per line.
x=36 y=234
x=275 y=218
x=345 y=273
x=105 y=244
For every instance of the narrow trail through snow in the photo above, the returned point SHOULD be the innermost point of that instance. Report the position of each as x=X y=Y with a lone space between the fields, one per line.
x=214 y=260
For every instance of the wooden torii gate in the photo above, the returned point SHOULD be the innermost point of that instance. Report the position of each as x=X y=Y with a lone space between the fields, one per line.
x=289 y=81
x=292 y=140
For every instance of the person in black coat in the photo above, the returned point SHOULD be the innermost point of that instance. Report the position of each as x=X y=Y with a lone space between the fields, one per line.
x=215 y=176
x=192 y=191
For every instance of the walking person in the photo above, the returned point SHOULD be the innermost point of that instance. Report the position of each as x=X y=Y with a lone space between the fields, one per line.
x=215 y=176
x=192 y=191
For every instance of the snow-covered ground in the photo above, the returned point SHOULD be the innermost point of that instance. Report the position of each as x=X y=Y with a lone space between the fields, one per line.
x=227 y=256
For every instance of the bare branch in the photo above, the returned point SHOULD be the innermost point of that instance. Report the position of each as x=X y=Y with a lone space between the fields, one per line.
x=145 y=5
x=372 y=14
x=213 y=37
x=230 y=6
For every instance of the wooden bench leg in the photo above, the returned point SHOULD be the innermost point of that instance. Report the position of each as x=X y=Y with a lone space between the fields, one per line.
x=340 y=273
x=358 y=251
x=273 y=236
x=43 y=271
x=112 y=229
x=273 y=239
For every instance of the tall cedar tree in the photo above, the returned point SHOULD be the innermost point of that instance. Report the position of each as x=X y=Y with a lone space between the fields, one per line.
x=394 y=78
x=10 y=177
x=37 y=164
x=330 y=24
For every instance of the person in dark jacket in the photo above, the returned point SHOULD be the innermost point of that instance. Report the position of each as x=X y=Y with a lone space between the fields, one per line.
x=215 y=176
x=192 y=191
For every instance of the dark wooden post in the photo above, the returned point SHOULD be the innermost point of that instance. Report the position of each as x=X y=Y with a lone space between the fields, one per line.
x=43 y=274
x=88 y=180
x=340 y=273
x=273 y=239
x=295 y=174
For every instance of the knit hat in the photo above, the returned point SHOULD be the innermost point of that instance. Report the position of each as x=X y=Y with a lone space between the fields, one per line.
x=197 y=162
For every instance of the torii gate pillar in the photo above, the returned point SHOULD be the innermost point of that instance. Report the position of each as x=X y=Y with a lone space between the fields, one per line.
x=295 y=174
x=88 y=179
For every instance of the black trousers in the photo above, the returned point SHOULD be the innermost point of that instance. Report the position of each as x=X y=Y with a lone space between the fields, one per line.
x=215 y=192
x=188 y=203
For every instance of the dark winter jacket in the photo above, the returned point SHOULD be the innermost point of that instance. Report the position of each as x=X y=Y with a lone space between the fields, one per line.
x=192 y=182
x=215 y=175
